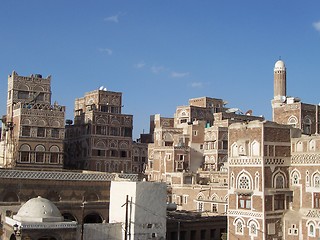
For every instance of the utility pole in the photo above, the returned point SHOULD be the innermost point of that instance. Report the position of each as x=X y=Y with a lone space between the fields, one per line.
x=126 y=220
x=130 y=218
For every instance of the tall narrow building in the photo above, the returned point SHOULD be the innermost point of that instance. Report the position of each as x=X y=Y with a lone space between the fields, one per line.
x=33 y=127
x=101 y=137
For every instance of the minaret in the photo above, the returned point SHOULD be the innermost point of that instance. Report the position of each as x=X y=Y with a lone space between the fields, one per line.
x=280 y=88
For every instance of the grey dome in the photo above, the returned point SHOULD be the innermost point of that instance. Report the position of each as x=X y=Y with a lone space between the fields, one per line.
x=38 y=210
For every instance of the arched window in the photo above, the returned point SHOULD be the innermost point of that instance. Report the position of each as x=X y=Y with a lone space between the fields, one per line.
x=54 y=154
x=200 y=203
x=255 y=149
x=214 y=206
x=40 y=153
x=316 y=180
x=10 y=197
x=299 y=146
x=311 y=229
x=234 y=150
x=98 y=166
x=239 y=225
x=244 y=182
x=25 y=153
x=256 y=181
x=307 y=125
x=232 y=180
x=293 y=121
x=312 y=145
x=93 y=218
x=295 y=176
x=279 y=181
x=253 y=229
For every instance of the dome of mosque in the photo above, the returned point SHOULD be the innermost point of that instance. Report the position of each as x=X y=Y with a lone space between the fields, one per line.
x=39 y=210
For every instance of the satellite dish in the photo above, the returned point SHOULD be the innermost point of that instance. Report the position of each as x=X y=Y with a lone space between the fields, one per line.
x=249 y=112
x=232 y=110
x=296 y=99
x=105 y=89
x=225 y=102
x=101 y=88
x=283 y=99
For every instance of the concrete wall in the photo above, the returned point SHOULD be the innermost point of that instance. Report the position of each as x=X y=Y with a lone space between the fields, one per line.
x=146 y=208
x=102 y=231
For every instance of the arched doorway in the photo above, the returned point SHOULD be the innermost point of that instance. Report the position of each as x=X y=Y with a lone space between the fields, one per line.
x=10 y=197
x=69 y=217
x=92 y=218
x=12 y=237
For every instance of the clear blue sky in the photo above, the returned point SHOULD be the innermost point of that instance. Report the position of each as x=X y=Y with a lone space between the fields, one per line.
x=161 y=53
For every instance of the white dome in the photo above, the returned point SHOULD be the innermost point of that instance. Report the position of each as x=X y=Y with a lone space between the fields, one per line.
x=279 y=65
x=38 y=210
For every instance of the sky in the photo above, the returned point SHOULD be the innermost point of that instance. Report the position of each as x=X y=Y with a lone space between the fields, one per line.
x=160 y=53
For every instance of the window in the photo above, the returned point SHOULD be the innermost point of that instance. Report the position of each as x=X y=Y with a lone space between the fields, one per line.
x=239 y=227
x=104 y=108
x=295 y=178
x=98 y=153
x=25 y=157
x=293 y=230
x=41 y=132
x=316 y=200
x=279 y=202
x=114 y=131
x=279 y=181
x=26 y=131
x=39 y=154
x=244 y=201
x=316 y=180
x=214 y=208
x=54 y=154
x=181 y=157
x=195 y=133
x=293 y=121
x=123 y=154
x=307 y=125
x=183 y=120
x=101 y=130
x=253 y=229
x=244 y=182
x=23 y=94
x=114 y=153
x=127 y=132
x=224 y=144
x=203 y=234
x=311 y=230
x=55 y=133
x=185 y=199
x=200 y=204
x=25 y=153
